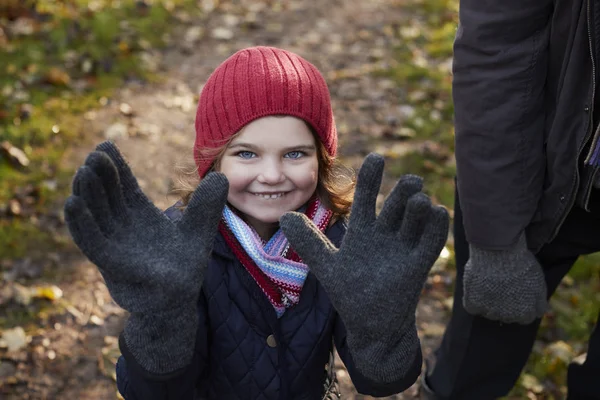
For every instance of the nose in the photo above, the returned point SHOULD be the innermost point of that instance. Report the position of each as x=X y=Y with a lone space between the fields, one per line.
x=271 y=173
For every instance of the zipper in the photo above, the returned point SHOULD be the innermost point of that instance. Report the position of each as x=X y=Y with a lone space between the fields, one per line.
x=590 y=129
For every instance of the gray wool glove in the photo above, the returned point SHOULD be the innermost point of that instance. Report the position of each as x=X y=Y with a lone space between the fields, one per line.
x=505 y=285
x=153 y=267
x=376 y=276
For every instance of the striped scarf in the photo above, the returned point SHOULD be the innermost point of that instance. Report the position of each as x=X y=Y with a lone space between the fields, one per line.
x=275 y=267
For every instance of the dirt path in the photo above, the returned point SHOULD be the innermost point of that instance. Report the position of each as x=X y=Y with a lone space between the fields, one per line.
x=72 y=356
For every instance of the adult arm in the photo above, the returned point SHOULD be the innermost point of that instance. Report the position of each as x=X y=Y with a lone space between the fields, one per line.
x=500 y=63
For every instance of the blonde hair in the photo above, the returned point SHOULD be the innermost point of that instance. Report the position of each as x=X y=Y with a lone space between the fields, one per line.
x=335 y=186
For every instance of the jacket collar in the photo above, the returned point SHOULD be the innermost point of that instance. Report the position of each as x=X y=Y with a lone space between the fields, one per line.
x=221 y=248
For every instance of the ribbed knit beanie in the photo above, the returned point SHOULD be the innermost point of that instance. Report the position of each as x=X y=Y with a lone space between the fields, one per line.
x=256 y=82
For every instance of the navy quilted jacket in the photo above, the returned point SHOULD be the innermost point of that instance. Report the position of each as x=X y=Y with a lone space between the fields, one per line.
x=244 y=352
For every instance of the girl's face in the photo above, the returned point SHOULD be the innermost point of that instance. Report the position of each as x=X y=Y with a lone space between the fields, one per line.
x=272 y=168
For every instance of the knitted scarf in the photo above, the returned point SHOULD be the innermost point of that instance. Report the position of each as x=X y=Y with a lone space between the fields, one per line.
x=275 y=267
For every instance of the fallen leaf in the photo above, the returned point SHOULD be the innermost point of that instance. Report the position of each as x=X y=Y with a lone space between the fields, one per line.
x=48 y=292
x=580 y=359
x=14 y=207
x=530 y=382
x=15 y=156
x=116 y=131
x=126 y=109
x=50 y=184
x=208 y=6
x=57 y=77
x=14 y=339
x=560 y=350
x=231 y=20
x=124 y=47
x=222 y=34
x=22 y=27
x=448 y=303
x=193 y=34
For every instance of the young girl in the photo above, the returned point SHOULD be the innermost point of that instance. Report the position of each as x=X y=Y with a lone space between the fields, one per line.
x=222 y=305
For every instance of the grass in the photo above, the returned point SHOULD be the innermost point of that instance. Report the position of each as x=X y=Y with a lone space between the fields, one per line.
x=424 y=82
x=70 y=55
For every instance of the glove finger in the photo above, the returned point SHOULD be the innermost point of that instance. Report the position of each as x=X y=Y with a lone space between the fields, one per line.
x=392 y=213
x=367 y=187
x=202 y=214
x=88 y=187
x=132 y=192
x=434 y=235
x=416 y=215
x=313 y=247
x=101 y=164
x=85 y=232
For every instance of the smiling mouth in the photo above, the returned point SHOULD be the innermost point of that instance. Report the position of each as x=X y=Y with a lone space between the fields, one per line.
x=271 y=196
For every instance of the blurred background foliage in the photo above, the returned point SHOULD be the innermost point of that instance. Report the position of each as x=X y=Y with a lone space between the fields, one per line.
x=59 y=60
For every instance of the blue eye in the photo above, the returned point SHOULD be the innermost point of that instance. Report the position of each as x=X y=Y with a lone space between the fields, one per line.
x=295 y=154
x=246 y=154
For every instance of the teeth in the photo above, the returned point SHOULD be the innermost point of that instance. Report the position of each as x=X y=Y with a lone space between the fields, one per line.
x=269 y=196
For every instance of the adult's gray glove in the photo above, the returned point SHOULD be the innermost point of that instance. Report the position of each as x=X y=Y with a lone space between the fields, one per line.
x=505 y=285
x=375 y=278
x=153 y=267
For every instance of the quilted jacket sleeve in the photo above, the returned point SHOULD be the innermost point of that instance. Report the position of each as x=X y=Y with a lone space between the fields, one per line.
x=134 y=384
x=365 y=385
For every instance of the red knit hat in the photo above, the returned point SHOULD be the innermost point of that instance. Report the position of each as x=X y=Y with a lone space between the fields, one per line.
x=256 y=82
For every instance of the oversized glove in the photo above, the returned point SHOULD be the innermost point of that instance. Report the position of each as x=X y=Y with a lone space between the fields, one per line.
x=505 y=285
x=376 y=276
x=153 y=267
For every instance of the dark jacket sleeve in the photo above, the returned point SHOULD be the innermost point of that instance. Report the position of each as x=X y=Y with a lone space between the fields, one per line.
x=135 y=384
x=365 y=385
x=500 y=63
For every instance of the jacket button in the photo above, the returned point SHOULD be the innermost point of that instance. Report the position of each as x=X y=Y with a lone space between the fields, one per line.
x=271 y=341
x=586 y=108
